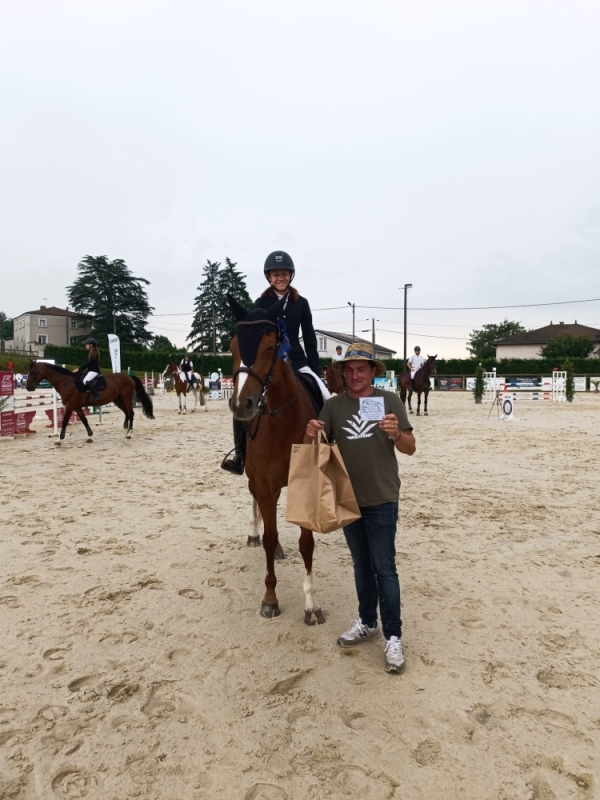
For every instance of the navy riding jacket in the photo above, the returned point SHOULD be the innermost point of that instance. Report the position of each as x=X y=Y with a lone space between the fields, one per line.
x=297 y=316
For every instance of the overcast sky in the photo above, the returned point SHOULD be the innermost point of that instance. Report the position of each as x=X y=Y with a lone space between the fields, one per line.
x=454 y=146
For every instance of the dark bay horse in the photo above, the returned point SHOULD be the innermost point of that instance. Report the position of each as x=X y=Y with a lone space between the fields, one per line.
x=275 y=406
x=420 y=382
x=182 y=387
x=119 y=390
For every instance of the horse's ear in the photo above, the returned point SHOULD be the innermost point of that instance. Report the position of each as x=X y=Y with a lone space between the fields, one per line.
x=277 y=310
x=237 y=309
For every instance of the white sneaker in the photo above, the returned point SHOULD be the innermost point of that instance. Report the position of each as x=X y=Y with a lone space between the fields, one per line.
x=358 y=632
x=394 y=655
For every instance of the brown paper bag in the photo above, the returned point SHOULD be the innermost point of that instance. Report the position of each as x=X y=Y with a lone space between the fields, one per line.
x=320 y=496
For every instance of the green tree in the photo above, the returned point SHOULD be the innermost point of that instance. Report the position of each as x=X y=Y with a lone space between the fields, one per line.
x=108 y=296
x=568 y=347
x=480 y=341
x=479 y=387
x=567 y=366
x=212 y=316
x=162 y=344
x=6 y=326
x=231 y=281
x=206 y=306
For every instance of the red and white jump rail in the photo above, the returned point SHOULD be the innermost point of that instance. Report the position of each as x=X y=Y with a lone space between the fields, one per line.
x=17 y=411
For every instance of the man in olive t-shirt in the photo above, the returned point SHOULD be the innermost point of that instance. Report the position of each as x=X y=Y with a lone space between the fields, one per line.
x=368 y=447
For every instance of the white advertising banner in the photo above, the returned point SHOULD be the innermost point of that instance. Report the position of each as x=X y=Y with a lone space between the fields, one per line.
x=115 y=352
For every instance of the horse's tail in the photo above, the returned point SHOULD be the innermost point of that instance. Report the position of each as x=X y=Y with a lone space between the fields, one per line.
x=143 y=398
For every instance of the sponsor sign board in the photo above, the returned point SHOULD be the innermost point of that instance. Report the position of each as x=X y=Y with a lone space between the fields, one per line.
x=579 y=383
x=7 y=384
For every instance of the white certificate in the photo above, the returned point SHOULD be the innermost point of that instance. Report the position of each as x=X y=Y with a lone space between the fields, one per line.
x=372 y=408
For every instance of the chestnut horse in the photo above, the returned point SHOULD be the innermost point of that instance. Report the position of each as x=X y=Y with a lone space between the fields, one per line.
x=420 y=383
x=119 y=390
x=275 y=407
x=334 y=379
x=182 y=387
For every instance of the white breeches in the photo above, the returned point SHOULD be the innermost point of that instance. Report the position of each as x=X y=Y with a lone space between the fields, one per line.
x=322 y=387
x=90 y=377
x=413 y=372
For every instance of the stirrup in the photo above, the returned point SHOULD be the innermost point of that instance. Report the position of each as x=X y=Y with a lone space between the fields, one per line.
x=235 y=464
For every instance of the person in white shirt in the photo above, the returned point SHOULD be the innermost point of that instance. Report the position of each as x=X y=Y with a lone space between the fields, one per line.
x=338 y=353
x=415 y=362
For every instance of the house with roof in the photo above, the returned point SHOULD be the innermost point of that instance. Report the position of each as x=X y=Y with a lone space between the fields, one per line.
x=529 y=344
x=33 y=330
x=327 y=341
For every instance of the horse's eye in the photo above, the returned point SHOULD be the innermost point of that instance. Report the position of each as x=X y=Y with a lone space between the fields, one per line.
x=271 y=348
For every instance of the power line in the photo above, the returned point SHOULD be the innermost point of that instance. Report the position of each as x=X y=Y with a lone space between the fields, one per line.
x=483 y=308
x=427 y=335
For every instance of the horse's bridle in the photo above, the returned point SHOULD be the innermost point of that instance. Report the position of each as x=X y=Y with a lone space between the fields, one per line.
x=265 y=382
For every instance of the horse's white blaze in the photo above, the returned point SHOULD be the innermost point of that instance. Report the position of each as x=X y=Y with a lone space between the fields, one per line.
x=310 y=603
x=241 y=378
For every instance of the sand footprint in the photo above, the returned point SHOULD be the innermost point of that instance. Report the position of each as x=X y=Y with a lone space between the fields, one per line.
x=191 y=594
x=75 y=782
x=266 y=791
x=427 y=752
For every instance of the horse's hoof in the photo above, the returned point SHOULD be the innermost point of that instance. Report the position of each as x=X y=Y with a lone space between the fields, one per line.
x=253 y=541
x=58 y=444
x=410 y=411
x=269 y=610
x=418 y=413
x=128 y=436
x=425 y=414
x=279 y=554
x=314 y=617
x=89 y=440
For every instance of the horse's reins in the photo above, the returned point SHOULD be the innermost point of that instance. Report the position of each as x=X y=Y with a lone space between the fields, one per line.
x=265 y=382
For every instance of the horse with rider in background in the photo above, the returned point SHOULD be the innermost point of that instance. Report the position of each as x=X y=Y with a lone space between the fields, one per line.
x=419 y=383
x=194 y=385
x=75 y=395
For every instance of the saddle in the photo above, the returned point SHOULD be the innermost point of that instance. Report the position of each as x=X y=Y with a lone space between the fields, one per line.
x=314 y=392
x=97 y=385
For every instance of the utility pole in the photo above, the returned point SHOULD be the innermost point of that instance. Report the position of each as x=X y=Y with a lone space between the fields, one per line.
x=373 y=334
x=407 y=286
x=353 y=306
x=67 y=323
x=214 y=337
x=114 y=323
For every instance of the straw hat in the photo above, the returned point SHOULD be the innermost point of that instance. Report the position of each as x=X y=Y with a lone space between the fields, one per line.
x=362 y=351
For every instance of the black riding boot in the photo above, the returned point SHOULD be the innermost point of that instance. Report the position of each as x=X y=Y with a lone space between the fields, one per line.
x=92 y=388
x=236 y=464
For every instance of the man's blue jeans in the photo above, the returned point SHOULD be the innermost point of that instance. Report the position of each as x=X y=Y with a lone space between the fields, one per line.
x=371 y=543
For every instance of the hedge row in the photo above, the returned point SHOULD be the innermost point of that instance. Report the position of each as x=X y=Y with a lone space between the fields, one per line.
x=145 y=361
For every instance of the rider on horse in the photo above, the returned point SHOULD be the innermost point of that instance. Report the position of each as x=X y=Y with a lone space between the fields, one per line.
x=187 y=367
x=279 y=271
x=415 y=363
x=91 y=369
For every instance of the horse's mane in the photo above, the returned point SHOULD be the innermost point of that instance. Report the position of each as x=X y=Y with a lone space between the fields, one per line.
x=60 y=370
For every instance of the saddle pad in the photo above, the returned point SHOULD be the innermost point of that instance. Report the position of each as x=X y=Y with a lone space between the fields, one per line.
x=310 y=384
x=81 y=387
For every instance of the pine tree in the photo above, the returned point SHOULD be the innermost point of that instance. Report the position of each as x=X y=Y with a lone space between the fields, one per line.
x=231 y=281
x=206 y=308
x=212 y=315
x=111 y=299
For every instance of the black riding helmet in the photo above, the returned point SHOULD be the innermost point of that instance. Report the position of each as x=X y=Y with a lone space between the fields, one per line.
x=91 y=341
x=279 y=259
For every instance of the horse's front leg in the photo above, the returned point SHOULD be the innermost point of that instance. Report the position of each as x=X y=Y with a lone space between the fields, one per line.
x=268 y=509
x=426 y=395
x=410 y=394
x=312 y=610
x=80 y=413
x=418 y=404
x=68 y=410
